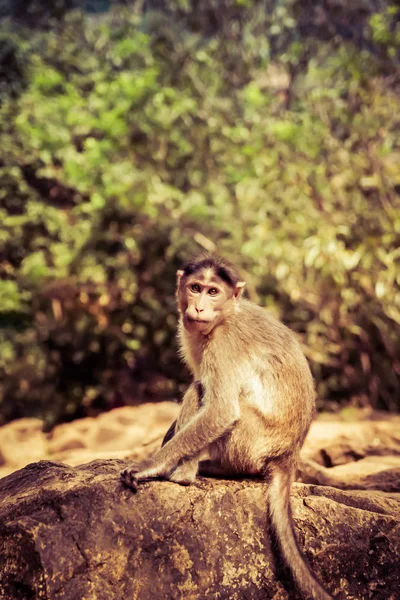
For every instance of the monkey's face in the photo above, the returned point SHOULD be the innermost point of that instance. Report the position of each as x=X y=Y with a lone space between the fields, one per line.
x=204 y=299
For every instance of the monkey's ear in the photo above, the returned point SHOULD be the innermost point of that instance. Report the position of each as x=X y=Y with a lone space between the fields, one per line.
x=238 y=291
x=178 y=276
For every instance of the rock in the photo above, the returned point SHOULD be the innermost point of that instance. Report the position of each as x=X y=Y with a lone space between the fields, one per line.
x=335 y=442
x=126 y=428
x=135 y=431
x=76 y=533
x=21 y=442
x=356 y=455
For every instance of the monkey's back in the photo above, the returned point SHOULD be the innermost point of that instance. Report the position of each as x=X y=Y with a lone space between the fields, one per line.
x=276 y=376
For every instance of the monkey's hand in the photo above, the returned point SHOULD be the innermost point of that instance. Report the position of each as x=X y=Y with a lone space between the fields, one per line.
x=184 y=474
x=143 y=471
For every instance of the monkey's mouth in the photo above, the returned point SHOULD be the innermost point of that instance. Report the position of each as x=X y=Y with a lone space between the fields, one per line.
x=200 y=321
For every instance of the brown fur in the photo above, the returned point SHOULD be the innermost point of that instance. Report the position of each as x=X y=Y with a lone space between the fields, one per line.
x=250 y=405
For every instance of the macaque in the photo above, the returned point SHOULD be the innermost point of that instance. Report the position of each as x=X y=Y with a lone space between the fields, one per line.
x=250 y=404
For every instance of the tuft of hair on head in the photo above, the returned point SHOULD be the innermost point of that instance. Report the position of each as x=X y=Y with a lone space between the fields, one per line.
x=221 y=267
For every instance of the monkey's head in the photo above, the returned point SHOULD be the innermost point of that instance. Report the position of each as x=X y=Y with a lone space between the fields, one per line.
x=208 y=289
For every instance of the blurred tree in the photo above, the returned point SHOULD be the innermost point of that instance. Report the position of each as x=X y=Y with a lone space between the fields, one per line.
x=131 y=141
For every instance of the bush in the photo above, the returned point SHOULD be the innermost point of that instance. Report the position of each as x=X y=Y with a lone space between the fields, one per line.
x=136 y=141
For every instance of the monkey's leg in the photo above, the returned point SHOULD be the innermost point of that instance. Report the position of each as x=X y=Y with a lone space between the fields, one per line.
x=246 y=449
x=240 y=452
x=185 y=473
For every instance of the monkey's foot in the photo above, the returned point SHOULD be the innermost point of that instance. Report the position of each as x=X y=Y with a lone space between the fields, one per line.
x=185 y=474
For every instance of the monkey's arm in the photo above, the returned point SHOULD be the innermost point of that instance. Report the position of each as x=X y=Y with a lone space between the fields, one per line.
x=217 y=415
x=185 y=473
x=190 y=405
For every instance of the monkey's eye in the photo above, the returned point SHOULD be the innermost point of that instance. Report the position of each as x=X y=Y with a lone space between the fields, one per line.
x=213 y=292
x=195 y=288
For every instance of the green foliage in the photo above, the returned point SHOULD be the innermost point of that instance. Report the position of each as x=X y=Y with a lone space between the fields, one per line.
x=385 y=28
x=135 y=141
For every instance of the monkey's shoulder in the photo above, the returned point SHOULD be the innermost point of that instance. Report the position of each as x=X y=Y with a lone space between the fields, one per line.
x=261 y=325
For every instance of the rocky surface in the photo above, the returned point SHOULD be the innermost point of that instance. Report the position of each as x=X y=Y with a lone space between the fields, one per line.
x=76 y=533
x=361 y=454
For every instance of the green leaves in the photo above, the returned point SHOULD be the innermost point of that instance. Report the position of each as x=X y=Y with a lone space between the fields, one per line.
x=385 y=29
x=34 y=267
x=11 y=297
x=135 y=142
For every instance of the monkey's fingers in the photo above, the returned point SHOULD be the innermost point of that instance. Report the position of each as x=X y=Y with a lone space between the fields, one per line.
x=137 y=472
x=129 y=479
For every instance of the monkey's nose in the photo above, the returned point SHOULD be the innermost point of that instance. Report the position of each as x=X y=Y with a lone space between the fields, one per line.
x=199 y=310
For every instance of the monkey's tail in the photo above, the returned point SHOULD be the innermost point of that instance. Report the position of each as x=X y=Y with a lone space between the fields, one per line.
x=281 y=519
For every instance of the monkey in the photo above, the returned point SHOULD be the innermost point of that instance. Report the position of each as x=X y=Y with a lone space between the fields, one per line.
x=250 y=404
